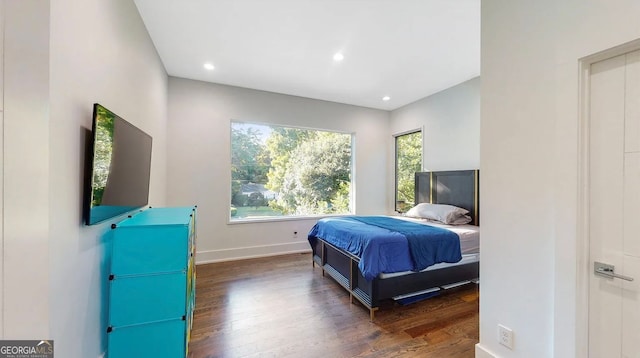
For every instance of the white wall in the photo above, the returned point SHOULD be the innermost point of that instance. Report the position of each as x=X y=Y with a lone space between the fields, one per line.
x=60 y=58
x=2 y=12
x=451 y=123
x=199 y=161
x=26 y=170
x=529 y=131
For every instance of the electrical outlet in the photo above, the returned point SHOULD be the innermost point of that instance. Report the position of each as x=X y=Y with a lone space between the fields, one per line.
x=505 y=336
x=295 y=234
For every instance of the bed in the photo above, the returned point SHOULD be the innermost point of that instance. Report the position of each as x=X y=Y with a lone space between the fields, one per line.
x=339 y=254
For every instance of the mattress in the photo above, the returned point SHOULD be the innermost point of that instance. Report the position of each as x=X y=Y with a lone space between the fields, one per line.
x=466 y=259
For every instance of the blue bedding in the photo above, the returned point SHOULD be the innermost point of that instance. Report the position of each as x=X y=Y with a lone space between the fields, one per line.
x=386 y=245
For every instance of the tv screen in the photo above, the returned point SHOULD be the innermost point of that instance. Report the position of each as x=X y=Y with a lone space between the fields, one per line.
x=120 y=164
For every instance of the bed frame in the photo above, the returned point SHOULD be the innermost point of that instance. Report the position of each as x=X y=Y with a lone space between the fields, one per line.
x=459 y=188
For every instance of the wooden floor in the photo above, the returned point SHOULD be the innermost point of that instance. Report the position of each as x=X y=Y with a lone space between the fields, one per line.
x=282 y=307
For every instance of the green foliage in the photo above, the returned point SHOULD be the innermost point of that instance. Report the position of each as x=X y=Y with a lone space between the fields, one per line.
x=239 y=199
x=249 y=161
x=280 y=146
x=256 y=200
x=103 y=149
x=340 y=202
x=309 y=170
x=315 y=176
x=408 y=162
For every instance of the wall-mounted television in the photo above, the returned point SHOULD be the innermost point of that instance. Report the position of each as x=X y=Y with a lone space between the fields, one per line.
x=119 y=163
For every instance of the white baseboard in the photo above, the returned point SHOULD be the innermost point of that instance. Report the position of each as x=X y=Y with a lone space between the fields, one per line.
x=241 y=253
x=481 y=352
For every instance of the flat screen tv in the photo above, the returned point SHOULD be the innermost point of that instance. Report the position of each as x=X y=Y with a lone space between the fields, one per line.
x=119 y=165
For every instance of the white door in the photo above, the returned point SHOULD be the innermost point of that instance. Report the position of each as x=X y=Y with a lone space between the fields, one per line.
x=614 y=208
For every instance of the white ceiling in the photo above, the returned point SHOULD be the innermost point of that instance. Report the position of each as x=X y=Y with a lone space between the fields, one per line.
x=405 y=49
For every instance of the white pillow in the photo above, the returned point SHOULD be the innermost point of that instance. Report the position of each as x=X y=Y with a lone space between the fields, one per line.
x=446 y=214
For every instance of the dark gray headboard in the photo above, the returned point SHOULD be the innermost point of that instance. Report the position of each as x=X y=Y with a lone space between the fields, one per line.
x=456 y=187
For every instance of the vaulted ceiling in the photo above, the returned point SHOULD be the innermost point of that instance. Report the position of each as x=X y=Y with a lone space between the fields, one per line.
x=403 y=49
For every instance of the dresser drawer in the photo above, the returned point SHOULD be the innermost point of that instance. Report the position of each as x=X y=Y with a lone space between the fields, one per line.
x=148 y=298
x=164 y=339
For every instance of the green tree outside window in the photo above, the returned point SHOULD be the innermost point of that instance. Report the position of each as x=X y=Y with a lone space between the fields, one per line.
x=282 y=171
x=408 y=162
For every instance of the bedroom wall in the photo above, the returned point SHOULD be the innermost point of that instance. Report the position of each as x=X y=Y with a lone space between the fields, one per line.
x=199 y=161
x=2 y=11
x=451 y=126
x=60 y=58
x=530 y=54
x=25 y=169
x=450 y=123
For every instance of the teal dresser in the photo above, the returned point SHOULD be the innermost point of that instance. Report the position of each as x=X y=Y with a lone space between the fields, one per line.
x=152 y=284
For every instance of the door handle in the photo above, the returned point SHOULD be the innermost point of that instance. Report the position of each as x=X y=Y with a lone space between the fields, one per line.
x=609 y=271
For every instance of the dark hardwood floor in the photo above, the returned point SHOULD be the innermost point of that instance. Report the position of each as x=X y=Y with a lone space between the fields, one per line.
x=282 y=307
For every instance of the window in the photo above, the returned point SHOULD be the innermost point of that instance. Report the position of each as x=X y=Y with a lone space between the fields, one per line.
x=285 y=172
x=408 y=162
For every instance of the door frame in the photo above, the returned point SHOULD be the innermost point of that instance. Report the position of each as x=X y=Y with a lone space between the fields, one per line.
x=583 y=264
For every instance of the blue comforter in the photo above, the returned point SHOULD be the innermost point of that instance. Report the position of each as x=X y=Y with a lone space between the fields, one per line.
x=386 y=244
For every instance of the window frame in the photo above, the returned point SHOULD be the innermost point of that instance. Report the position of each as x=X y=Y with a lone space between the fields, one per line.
x=395 y=159
x=352 y=195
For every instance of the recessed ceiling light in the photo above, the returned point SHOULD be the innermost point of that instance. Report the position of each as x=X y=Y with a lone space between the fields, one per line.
x=386 y=98
x=338 y=57
x=209 y=66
